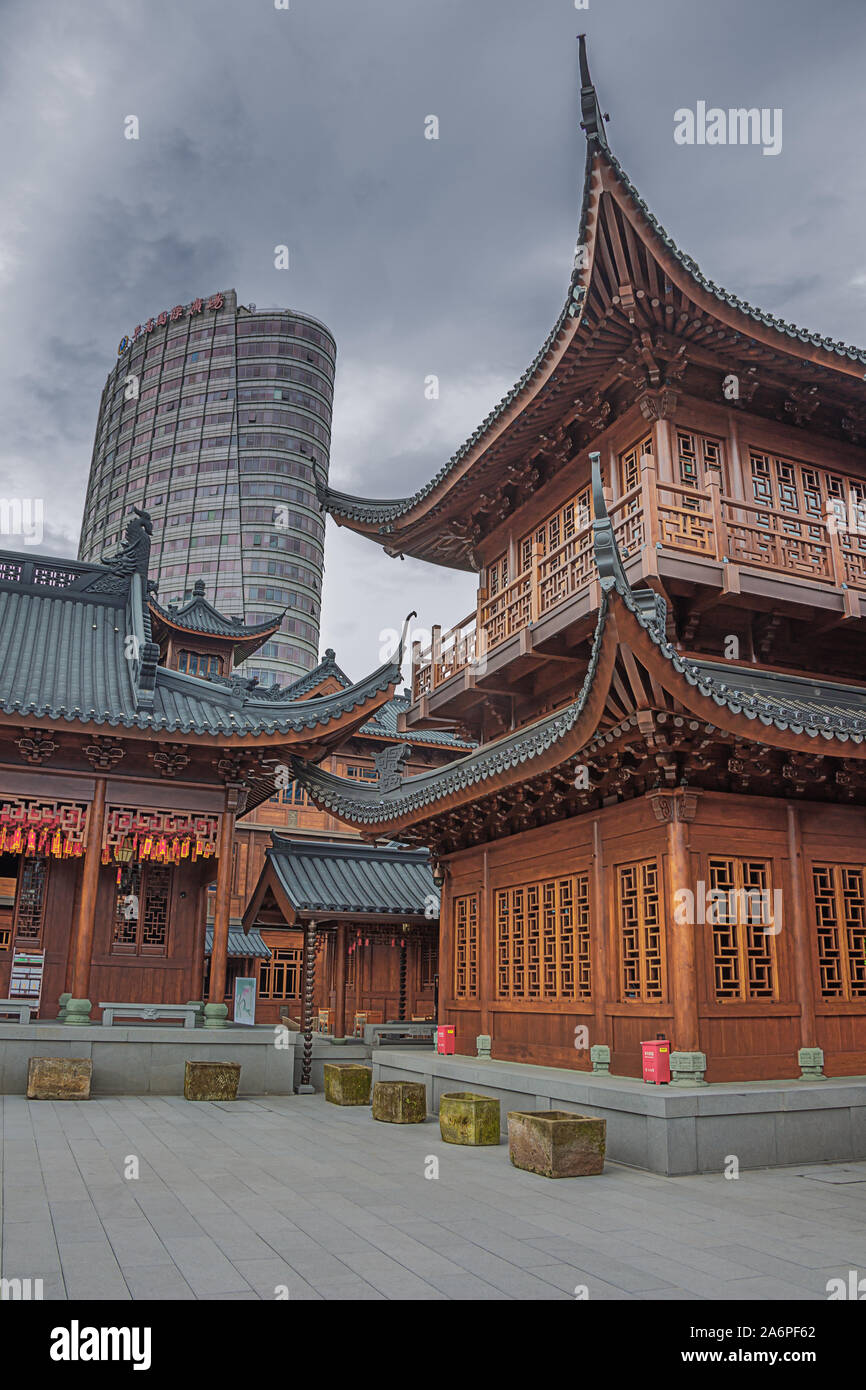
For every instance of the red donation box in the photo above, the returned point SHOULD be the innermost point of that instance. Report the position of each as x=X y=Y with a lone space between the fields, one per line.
x=656 y=1061
x=445 y=1038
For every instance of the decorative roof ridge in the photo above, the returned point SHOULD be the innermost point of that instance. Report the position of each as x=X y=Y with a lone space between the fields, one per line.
x=231 y=627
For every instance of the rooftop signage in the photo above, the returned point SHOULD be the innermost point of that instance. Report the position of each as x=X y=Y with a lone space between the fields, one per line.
x=197 y=306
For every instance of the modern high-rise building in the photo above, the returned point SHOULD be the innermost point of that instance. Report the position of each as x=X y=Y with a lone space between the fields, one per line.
x=216 y=419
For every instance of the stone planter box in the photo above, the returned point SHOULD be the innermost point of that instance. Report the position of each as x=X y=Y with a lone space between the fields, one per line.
x=467 y=1118
x=400 y=1102
x=347 y=1083
x=211 y=1080
x=556 y=1143
x=59 y=1078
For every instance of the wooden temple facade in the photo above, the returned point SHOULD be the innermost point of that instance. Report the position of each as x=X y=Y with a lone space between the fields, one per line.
x=128 y=752
x=662 y=829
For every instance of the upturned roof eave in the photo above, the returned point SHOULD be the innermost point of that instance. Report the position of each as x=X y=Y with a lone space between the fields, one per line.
x=397 y=524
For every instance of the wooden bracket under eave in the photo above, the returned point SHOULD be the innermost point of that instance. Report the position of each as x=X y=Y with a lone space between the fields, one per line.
x=730 y=579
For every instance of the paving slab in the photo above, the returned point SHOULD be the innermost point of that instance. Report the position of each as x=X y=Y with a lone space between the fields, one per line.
x=235 y=1203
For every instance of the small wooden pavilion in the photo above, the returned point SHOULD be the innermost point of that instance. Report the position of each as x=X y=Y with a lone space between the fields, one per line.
x=353 y=925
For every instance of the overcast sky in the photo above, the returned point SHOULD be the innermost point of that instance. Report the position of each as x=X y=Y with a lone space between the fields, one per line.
x=305 y=126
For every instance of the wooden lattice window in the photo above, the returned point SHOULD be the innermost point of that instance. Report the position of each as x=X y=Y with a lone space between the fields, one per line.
x=695 y=454
x=280 y=977
x=30 y=901
x=466 y=947
x=740 y=914
x=428 y=964
x=497 y=576
x=572 y=518
x=542 y=939
x=840 y=920
x=640 y=930
x=629 y=465
x=141 y=910
x=807 y=493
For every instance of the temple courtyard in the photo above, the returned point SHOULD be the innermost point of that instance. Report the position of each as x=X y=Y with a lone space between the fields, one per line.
x=290 y=1197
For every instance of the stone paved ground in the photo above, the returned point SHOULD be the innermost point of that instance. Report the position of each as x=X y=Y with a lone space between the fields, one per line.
x=236 y=1199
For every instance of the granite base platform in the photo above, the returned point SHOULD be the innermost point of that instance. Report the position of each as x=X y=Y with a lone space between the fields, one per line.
x=764 y=1124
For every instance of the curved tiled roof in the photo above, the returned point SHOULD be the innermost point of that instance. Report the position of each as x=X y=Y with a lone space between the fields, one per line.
x=357 y=879
x=383 y=723
x=74 y=645
x=198 y=615
x=385 y=511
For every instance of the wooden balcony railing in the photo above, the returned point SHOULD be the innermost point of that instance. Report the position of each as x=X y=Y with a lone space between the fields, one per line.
x=693 y=521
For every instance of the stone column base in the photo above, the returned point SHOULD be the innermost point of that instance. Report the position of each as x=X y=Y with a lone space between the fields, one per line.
x=216 y=1016
x=305 y=1090
x=77 y=1012
x=63 y=1001
x=687 y=1068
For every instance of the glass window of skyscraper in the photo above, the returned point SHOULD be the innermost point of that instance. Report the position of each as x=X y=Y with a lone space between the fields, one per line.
x=217 y=419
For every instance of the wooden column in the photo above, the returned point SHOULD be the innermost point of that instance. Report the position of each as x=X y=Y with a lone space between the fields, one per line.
x=801 y=933
x=340 y=963
x=677 y=809
x=599 y=936
x=86 y=921
x=235 y=795
x=486 y=947
x=401 y=1005
x=309 y=984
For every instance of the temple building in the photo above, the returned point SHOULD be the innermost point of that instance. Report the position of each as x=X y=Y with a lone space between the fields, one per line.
x=661 y=829
x=128 y=751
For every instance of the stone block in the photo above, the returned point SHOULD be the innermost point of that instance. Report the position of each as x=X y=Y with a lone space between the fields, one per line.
x=555 y=1143
x=59 y=1078
x=216 y=1016
x=811 y=1063
x=347 y=1083
x=483 y=1046
x=688 y=1068
x=599 y=1055
x=211 y=1080
x=468 y=1118
x=77 y=1012
x=400 y=1102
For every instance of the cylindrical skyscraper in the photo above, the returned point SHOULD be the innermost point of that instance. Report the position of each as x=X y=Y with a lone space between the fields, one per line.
x=216 y=420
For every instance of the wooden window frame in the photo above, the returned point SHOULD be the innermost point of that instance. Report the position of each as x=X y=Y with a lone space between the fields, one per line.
x=543 y=947
x=644 y=925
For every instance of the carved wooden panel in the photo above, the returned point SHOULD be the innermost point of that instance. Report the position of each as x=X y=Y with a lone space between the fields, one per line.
x=30 y=902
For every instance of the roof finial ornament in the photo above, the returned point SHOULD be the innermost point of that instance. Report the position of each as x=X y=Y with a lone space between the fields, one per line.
x=592 y=120
x=398 y=659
